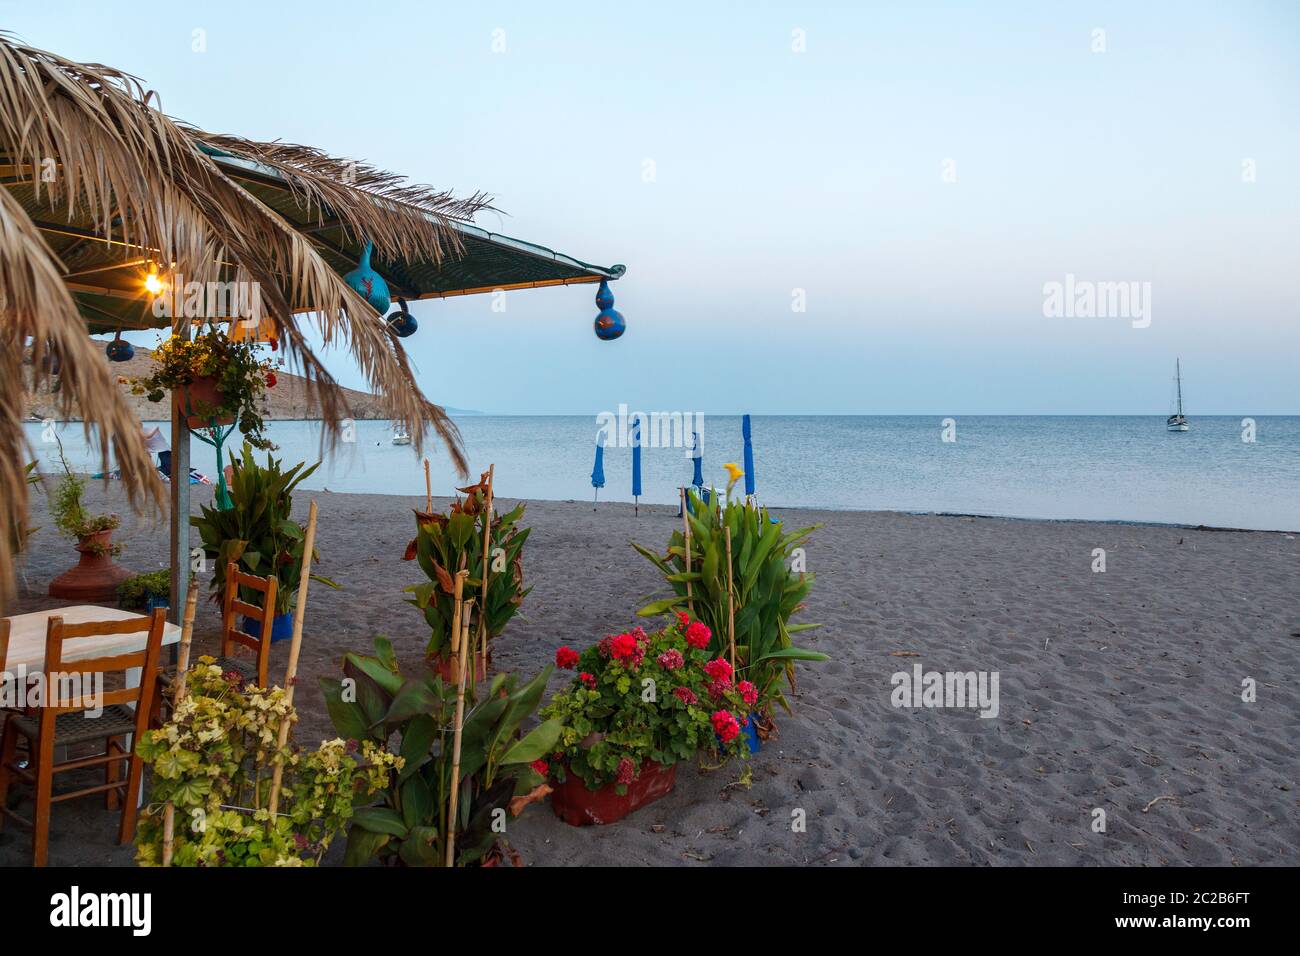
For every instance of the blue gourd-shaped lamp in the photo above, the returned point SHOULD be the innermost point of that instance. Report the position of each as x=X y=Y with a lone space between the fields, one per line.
x=119 y=350
x=402 y=322
x=368 y=283
x=609 y=324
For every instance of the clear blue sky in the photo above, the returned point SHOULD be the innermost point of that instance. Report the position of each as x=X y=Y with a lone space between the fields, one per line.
x=819 y=170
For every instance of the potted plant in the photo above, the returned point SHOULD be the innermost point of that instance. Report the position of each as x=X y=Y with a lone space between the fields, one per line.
x=213 y=381
x=96 y=575
x=258 y=534
x=442 y=543
x=144 y=592
x=639 y=705
x=500 y=771
x=767 y=586
x=213 y=761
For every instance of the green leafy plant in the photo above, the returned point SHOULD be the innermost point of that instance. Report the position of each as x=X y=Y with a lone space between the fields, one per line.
x=134 y=593
x=241 y=378
x=442 y=541
x=661 y=697
x=68 y=510
x=409 y=824
x=214 y=761
x=257 y=532
x=766 y=592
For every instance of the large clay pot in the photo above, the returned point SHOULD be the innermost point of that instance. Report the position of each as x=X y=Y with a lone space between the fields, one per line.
x=448 y=667
x=95 y=578
x=577 y=806
x=201 y=393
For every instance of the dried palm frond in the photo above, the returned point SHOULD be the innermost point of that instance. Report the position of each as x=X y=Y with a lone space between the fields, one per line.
x=36 y=307
x=151 y=186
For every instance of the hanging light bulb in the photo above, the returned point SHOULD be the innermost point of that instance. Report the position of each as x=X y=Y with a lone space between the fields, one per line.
x=153 y=285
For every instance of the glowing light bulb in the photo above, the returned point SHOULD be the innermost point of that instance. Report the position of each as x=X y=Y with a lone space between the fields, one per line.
x=153 y=284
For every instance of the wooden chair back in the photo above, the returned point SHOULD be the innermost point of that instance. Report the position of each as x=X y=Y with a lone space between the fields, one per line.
x=61 y=661
x=233 y=605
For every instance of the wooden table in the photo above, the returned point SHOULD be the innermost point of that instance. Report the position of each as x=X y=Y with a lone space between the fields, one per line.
x=27 y=637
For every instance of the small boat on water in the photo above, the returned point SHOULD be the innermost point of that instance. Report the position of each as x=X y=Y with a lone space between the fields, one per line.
x=401 y=437
x=1177 y=422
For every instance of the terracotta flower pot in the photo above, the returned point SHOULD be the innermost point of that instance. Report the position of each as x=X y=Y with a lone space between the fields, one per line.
x=96 y=576
x=448 y=666
x=577 y=806
x=201 y=393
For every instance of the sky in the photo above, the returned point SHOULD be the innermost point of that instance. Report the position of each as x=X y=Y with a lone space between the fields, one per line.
x=824 y=208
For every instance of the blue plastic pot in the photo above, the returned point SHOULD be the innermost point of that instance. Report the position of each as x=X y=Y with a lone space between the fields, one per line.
x=281 y=627
x=154 y=601
x=750 y=732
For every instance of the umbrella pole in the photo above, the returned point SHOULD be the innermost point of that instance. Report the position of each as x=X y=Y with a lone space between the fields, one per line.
x=594 y=497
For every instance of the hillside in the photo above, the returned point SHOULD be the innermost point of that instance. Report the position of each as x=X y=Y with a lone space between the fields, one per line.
x=287 y=400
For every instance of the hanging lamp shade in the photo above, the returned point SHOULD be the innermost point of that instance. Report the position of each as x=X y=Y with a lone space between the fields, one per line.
x=402 y=322
x=119 y=350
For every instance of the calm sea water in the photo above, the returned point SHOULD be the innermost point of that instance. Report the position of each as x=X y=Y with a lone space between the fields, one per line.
x=1100 y=468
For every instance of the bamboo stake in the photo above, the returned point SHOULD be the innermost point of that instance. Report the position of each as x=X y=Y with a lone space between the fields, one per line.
x=455 y=748
x=295 y=645
x=487 y=547
x=428 y=489
x=178 y=693
x=731 y=610
x=686 y=523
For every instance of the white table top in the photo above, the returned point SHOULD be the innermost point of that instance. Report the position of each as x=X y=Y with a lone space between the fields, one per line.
x=27 y=635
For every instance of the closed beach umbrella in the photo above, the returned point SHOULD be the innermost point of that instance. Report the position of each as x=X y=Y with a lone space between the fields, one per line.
x=636 y=464
x=749 y=455
x=598 y=471
x=697 y=455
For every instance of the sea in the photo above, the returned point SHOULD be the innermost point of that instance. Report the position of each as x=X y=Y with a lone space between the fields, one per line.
x=1227 y=471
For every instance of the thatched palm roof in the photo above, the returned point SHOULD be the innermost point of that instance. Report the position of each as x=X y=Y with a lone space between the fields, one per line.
x=100 y=184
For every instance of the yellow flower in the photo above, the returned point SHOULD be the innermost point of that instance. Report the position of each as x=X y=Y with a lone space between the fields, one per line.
x=734 y=472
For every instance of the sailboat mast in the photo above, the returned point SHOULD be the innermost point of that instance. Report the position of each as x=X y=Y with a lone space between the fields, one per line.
x=1178 y=377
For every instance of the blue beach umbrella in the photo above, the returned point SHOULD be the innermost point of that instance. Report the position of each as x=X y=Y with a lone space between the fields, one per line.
x=636 y=464
x=598 y=472
x=697 y=461
x=749 y=455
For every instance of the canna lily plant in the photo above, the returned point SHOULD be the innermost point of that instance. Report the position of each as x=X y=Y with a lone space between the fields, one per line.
x=443 y=541
x=409 y=824
x=766 y=591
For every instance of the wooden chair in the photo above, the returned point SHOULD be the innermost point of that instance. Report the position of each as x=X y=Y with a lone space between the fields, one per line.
x=232 y=635
x=65 y=722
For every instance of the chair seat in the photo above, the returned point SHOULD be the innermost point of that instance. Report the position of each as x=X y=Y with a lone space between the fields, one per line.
x=77 y=726
x=244 y=668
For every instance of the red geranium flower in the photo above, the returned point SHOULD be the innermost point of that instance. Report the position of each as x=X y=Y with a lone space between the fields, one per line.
x=588 y=679
x=683 y=619
x=748 y=692
x=541 y=767
x=699 y=635
x=726 y=726
x=685 y=695
x=626 y=771
x=622 y=647
x=566 y=657
x=671 y=659
x=719 y=670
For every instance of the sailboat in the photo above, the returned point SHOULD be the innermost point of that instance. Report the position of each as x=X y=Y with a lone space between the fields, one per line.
x=1177 y=422
x=401 y=436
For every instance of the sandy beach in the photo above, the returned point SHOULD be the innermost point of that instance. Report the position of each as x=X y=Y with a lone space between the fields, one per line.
x=1119 y=691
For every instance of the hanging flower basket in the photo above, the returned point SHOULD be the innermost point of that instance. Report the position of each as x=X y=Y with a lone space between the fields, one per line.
x=579 y=807
x=203 y=395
